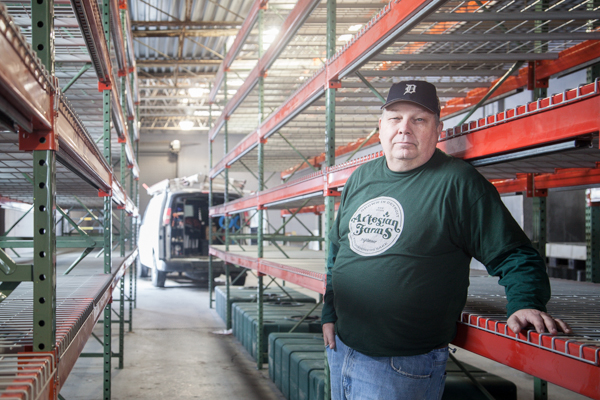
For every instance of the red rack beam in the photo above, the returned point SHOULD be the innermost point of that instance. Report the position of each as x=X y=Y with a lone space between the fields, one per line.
x=314 y=281
x=570 y=373
x=290 y=26
x=244 y=203
x=567 y=177
x=533 y=125
x=314 y=183
x=232 y=53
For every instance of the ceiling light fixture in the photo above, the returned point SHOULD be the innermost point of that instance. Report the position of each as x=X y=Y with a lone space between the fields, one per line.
x=344 y=38
x=355 y=28
x=186 y=125
x=197 y=92
x=269 y=36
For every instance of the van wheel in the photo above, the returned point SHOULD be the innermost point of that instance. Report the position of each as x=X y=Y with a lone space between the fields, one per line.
x=142 y=271
x=158 y=277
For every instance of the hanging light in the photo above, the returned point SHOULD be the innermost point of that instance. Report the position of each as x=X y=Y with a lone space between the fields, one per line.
x=186 y=125
x=197 y=92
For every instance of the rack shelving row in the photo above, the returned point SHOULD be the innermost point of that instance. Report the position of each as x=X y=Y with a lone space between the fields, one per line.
x=464 y=48
x=49 y=158
x=81 y=300
x=476 y=141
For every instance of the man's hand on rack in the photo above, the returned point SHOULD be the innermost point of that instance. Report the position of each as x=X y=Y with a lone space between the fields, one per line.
x=540 y=320
x=329 y=335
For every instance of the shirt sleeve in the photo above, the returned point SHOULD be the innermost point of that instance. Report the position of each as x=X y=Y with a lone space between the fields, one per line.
x=522 y=272
x=493 y=237
x=328 y=314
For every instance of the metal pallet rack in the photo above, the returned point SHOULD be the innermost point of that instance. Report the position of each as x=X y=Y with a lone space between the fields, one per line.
x=45 y=143
x=475 y=52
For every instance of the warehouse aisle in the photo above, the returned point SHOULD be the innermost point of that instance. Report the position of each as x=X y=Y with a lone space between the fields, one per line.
x=174 y=354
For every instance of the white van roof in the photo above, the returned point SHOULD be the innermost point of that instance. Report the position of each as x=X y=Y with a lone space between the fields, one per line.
x=196 y=181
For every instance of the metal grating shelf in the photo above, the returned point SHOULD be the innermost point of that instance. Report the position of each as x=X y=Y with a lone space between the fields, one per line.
x=80 y=302
x=568 y=358
x=571 y=361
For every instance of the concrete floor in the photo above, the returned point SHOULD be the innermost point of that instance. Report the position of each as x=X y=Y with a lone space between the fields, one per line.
x=174 y=352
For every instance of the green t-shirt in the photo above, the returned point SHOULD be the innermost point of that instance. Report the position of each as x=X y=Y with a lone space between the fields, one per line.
x=401 y=245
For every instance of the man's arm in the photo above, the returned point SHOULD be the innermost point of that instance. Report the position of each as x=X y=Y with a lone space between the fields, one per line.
x=522 y=272
x=328 y=316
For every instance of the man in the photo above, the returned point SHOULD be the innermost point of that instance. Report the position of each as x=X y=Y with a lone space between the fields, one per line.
x=400 y=249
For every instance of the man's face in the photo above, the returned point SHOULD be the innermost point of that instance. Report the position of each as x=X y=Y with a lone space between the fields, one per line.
x=408 y=134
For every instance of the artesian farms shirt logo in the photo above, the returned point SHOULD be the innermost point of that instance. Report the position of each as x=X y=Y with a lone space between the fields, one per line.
x=376 y=226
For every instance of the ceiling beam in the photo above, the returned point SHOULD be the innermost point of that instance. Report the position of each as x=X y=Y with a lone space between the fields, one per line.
x=175 y=62
x=204 y=76
x=188 y=24
x=192 y=33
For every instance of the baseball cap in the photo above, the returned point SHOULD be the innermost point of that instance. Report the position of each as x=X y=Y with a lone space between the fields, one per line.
x=419 y=92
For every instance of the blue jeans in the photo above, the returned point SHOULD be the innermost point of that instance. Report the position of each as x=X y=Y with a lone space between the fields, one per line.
x=355 y=376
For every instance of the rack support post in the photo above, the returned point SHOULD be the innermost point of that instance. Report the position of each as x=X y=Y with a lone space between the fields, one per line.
x=540 y=91
x=329 y=148
x=107 y=222
x=135 y=235
x=44 y=195
x=539 y=236
x=226 y=200
x=122 y=236
x=211 y=278
x=261 y=186
x=592 y=238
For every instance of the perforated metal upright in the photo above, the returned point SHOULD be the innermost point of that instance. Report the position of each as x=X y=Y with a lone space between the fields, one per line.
x=107 y=222
x=592 y=240
x=44 y=193
x=261 y=186
x=592 y=209
x=329 y=213
x=122 y=237
x=210 y=220
x=226 y=200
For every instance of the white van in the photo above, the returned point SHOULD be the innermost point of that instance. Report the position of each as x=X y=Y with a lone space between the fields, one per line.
x=174 y=232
